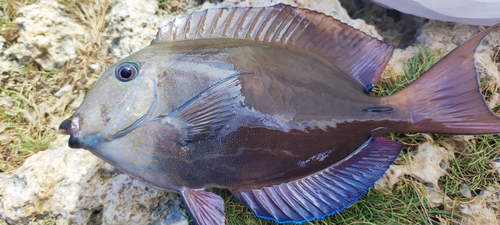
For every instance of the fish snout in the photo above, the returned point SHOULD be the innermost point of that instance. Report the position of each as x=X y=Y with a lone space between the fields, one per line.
x=71 y=127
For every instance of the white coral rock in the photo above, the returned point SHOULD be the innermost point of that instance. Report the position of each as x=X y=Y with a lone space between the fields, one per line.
x=46 y=35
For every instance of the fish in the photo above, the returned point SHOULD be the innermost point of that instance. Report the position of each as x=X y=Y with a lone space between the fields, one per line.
x=272 y=103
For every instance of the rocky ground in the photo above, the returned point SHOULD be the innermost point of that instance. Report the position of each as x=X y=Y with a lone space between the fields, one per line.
x=51 y=52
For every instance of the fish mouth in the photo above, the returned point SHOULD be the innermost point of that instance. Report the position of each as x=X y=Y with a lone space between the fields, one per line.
x=71 y=127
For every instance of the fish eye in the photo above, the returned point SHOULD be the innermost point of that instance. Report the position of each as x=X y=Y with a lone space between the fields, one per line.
x=127 y=71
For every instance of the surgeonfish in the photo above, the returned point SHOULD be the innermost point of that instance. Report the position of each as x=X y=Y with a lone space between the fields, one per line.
x=271 y=103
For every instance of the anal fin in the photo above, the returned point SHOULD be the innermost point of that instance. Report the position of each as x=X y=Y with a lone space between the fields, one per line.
x=326 y=192
x=206 y=207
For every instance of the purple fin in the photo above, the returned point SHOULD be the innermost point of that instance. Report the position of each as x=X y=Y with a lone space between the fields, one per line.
x=202 y=115
x=446 y=98
x=350 y=50
x=327 y=191
x=206 y=207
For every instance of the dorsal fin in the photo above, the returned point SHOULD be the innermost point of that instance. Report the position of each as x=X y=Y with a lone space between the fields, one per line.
x=344 y=47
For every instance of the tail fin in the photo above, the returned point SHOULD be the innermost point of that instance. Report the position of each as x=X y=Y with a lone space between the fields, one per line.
x=446 y=99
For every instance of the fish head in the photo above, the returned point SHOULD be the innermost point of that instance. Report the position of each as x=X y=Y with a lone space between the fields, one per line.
x=124 y=96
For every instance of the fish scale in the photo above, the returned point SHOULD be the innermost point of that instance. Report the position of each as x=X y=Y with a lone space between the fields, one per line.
x=271 y=103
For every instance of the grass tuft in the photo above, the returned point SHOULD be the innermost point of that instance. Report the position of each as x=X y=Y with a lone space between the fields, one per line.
x=7 y=24
x=423 y=59
x=29 y=145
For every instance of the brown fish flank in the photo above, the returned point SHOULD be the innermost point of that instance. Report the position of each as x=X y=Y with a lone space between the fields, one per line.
x=291 y=93
x=271 y=103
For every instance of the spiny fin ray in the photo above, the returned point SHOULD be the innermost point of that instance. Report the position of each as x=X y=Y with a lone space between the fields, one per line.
x=206 y=207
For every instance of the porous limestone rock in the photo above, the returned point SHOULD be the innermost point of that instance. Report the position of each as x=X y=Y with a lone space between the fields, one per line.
x=495 y=164
x=5 y=63
x=442 y=35
x=2 y=42
x=483 y=209
x=426 y=164
x=46 y=35
x=465 y=191
x=131 y=26
x=72 y=186
x=446 y=37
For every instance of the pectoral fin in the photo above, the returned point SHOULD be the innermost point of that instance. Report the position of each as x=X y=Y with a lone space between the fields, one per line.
x=201 y=116
x=326 y=192
x=206 y=207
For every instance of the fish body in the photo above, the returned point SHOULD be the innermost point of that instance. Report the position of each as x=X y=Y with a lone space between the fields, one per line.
x=298 y=138
x=271 y=103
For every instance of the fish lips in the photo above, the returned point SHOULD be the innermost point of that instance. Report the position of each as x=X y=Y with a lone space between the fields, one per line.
x=71 y=126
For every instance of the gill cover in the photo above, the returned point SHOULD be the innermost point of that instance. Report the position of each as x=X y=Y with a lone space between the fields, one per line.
x=122 y=98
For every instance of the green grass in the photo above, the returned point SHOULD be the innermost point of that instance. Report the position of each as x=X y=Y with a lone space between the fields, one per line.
x=163 y=3
x=423 y=59
x=31 y=145
x=472 y=167
x=6 y=23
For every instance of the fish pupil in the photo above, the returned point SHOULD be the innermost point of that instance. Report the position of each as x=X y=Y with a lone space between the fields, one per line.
x=127 y=71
